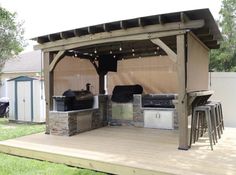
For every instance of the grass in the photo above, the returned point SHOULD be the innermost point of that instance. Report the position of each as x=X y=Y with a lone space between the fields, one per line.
x=13 y=165
x=13 y=130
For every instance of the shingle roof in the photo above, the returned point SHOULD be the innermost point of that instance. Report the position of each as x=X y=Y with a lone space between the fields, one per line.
x=26 y=62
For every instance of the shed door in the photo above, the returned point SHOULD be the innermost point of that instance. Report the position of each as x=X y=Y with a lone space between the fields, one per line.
x=24 y=100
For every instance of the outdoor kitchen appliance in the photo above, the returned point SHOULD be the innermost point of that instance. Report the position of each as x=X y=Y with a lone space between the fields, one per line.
x=74 y=100
x=158 y=100
x=124 y=93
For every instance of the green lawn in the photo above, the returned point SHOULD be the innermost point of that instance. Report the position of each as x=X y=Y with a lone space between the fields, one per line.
x=13 y=130
x=13 y=165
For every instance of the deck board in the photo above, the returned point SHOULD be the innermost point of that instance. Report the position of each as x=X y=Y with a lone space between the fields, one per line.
x=130 y=150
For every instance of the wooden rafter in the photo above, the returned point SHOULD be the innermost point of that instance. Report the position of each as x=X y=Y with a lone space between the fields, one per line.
x=169 y=51
x=184 y=18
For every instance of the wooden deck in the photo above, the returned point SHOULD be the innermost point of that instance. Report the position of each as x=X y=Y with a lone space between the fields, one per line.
x=129 y=150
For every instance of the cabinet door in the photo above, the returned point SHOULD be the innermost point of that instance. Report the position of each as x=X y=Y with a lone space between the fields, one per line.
x=122 y=111
x=158 y=119
x=166 y=119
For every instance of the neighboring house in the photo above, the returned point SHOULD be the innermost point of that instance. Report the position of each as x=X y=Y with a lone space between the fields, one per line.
x=22 y=83
x=26 y=64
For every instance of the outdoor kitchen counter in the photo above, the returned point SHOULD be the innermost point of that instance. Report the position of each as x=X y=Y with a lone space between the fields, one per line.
x=67 y=123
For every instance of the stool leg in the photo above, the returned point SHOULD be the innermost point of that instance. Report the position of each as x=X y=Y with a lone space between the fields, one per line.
x=191 y=131
x=218 y=124
x=214 y=122
x=209 y=128
x=221 y=116
x=195 y=126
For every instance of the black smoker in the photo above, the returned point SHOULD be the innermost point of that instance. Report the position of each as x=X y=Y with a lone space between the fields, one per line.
x=158 y=100
x=124 y=94
x=74 y=100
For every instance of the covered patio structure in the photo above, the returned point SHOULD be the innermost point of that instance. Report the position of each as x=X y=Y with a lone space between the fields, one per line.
x=182 y=39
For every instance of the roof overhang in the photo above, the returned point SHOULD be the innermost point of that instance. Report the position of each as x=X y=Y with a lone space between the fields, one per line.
x=137 y=31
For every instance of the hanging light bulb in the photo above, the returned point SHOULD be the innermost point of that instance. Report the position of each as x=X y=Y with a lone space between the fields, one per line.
x=155 y=52
x=120 y=49
x=158 y=48
x=95 y=51
x=133 y=54
x=132 y=49
x=114 y=56
x=75 y=54
x=110 y=51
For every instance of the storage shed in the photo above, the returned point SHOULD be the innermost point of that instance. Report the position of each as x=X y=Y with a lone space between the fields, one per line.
x=26 y=99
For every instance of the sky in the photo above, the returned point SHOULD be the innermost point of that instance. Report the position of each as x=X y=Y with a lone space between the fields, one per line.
x=49 y=16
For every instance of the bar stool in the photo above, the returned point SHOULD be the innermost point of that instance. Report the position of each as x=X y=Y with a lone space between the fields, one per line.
x=215 y=119
x=220 y=120
x=202 y=121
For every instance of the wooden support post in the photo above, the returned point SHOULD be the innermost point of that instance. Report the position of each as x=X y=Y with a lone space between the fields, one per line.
x=102 y=83
x=182 y=96
x=48 y=81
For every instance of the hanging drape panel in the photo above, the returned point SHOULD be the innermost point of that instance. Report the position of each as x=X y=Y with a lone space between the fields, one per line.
x=74 y=73
x=197 y=65
x=155 y=74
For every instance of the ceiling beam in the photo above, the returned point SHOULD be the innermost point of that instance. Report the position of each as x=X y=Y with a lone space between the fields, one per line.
x=161 y=19
x=114 y=35
x=91 y=30
x=106 y=28
x=184 y=17
x=123 y=25
x=65 y=35
x=141 y=22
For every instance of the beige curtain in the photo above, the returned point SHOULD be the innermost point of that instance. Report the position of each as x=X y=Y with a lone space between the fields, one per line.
x=197 y=66
x=156 y=74
x=74 y=73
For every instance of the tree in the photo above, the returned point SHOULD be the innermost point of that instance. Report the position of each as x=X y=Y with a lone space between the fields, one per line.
x=224 y=59
x=11 y=36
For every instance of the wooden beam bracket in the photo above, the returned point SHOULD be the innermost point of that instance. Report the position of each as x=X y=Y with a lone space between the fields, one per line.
x=57 y=58
x=169 y=51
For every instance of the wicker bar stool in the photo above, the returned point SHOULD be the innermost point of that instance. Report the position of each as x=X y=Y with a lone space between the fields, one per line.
x=202 y=121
